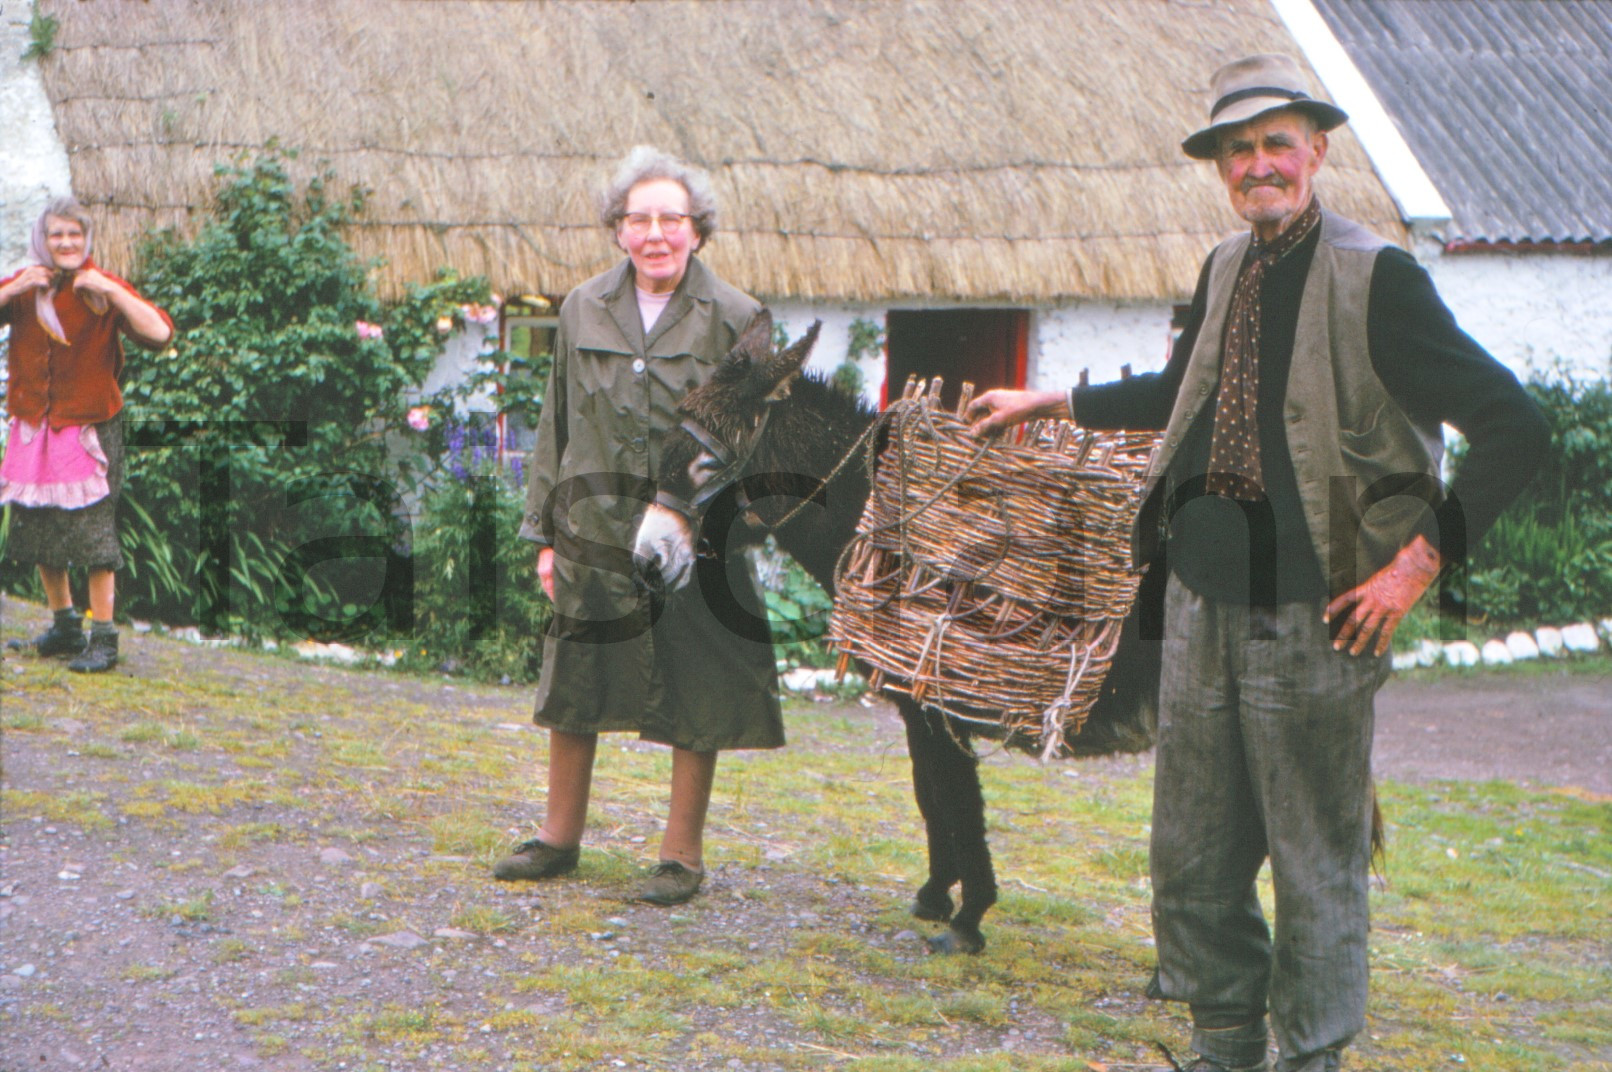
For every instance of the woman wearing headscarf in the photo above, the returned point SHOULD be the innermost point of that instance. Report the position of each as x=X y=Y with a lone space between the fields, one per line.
x=697 y=677
x=63 y=467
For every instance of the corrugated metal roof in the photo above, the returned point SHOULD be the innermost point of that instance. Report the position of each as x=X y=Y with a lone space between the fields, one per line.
x=1506 y=103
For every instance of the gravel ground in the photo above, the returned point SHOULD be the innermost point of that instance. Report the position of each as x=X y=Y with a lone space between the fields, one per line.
x=111 y=958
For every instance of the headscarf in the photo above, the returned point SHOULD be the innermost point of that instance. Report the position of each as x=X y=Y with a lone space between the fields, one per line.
x=39 y=250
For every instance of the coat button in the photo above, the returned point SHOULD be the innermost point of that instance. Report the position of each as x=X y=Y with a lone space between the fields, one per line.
x=638 y=365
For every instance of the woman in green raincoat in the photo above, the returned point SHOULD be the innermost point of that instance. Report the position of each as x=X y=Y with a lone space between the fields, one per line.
x=631 y=342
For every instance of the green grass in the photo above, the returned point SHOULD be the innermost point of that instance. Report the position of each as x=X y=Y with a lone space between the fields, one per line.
x=195 y=909
x=1489 y=948
x=484 y=919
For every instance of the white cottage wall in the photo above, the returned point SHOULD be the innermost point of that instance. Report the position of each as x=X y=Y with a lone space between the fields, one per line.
x=463 y=355
x=1532 y=310
x=833 y=342
x=1064 y=340
x=1529 y=310
x=33 y=160
x=1098 y=337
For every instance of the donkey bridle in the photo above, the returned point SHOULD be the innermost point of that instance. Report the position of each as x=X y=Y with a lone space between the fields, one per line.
x=732 y=460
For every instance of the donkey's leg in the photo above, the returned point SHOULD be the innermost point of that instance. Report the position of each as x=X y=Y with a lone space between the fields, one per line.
x=933 y=901
x=958 y=780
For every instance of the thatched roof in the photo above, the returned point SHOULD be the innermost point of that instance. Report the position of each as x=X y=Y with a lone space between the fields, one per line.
x=1015 y=151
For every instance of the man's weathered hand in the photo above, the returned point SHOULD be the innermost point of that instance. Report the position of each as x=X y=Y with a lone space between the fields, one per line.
x=998 y=409
x=1384 y=599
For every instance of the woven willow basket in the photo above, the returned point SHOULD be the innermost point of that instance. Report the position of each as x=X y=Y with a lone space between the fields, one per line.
x=991 y=579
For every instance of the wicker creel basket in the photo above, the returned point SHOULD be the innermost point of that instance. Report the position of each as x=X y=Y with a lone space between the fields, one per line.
x=991 y=578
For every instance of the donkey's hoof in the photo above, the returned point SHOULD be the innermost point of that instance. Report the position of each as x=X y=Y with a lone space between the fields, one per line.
x=957 y=941
x=932 y=908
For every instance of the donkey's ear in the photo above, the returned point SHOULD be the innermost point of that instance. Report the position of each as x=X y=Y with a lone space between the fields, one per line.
x=790 y=360
x=755 y=345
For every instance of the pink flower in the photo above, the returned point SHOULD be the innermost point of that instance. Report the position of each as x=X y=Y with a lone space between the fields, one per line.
x=480 y=314
x=420 y=418
x=366 y=330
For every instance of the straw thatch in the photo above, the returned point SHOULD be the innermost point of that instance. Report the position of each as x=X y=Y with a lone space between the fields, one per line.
x=1018 y=151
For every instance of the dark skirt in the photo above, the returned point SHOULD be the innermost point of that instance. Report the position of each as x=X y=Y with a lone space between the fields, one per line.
x=62 y=539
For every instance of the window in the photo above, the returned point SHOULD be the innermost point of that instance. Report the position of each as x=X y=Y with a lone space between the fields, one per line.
x=528 y=342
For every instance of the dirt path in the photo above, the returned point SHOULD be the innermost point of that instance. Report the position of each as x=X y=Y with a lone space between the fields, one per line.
x=1534 y=727
x=216 y=860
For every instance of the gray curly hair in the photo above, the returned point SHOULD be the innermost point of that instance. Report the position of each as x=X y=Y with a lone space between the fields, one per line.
x=645 y=163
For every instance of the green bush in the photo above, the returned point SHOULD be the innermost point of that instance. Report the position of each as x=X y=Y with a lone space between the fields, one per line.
x=269 y=463
x=257 y=440
x=797 y=609
x=478 y=607
x=1549 y=557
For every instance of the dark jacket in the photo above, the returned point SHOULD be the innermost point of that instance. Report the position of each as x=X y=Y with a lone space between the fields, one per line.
x=1423 y=371
x=616 y=659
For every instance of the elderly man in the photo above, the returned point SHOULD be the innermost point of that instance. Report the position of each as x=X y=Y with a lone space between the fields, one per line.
x=1297 y=500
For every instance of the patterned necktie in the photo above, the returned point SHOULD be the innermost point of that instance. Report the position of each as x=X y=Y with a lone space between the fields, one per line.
x=1234 y=466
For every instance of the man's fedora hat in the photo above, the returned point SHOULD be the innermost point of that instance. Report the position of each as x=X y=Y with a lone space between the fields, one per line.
x=1251 y=87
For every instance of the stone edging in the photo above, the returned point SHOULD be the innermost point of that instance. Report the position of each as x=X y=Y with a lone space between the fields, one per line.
x=1545 y=642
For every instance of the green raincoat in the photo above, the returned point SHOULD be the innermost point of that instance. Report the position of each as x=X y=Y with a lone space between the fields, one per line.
x=698 y=670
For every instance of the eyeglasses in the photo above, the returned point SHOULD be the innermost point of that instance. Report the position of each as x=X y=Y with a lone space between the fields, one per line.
x=639 y=223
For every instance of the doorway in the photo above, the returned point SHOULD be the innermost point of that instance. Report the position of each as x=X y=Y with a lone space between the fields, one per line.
x=986 y=347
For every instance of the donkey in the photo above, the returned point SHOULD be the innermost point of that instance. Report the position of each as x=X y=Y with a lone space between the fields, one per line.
x=761 y=437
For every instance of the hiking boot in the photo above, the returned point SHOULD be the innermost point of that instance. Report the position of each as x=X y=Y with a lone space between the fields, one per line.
x=670 y=883
x=101 y=655
x=536 y=859
x=1204 y=1064
x=64 y=637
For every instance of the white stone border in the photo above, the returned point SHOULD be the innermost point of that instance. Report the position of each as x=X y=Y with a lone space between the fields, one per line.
x=1547 y=642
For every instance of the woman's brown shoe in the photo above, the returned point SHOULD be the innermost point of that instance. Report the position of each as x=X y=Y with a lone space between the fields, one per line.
x=534 y=860
x=670 y=883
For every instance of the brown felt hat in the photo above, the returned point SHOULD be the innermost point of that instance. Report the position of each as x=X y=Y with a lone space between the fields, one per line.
x=1252 y=86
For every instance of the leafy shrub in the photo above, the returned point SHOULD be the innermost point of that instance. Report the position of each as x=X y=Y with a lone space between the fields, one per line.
x=478 y=607
x=260 y=431
x=1549 y=557
x=866 y=342
x=797 y=609
x=267 y=481
x=42 y=30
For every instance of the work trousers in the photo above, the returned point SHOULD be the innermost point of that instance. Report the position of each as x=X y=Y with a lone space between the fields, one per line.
x=1264 y=751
